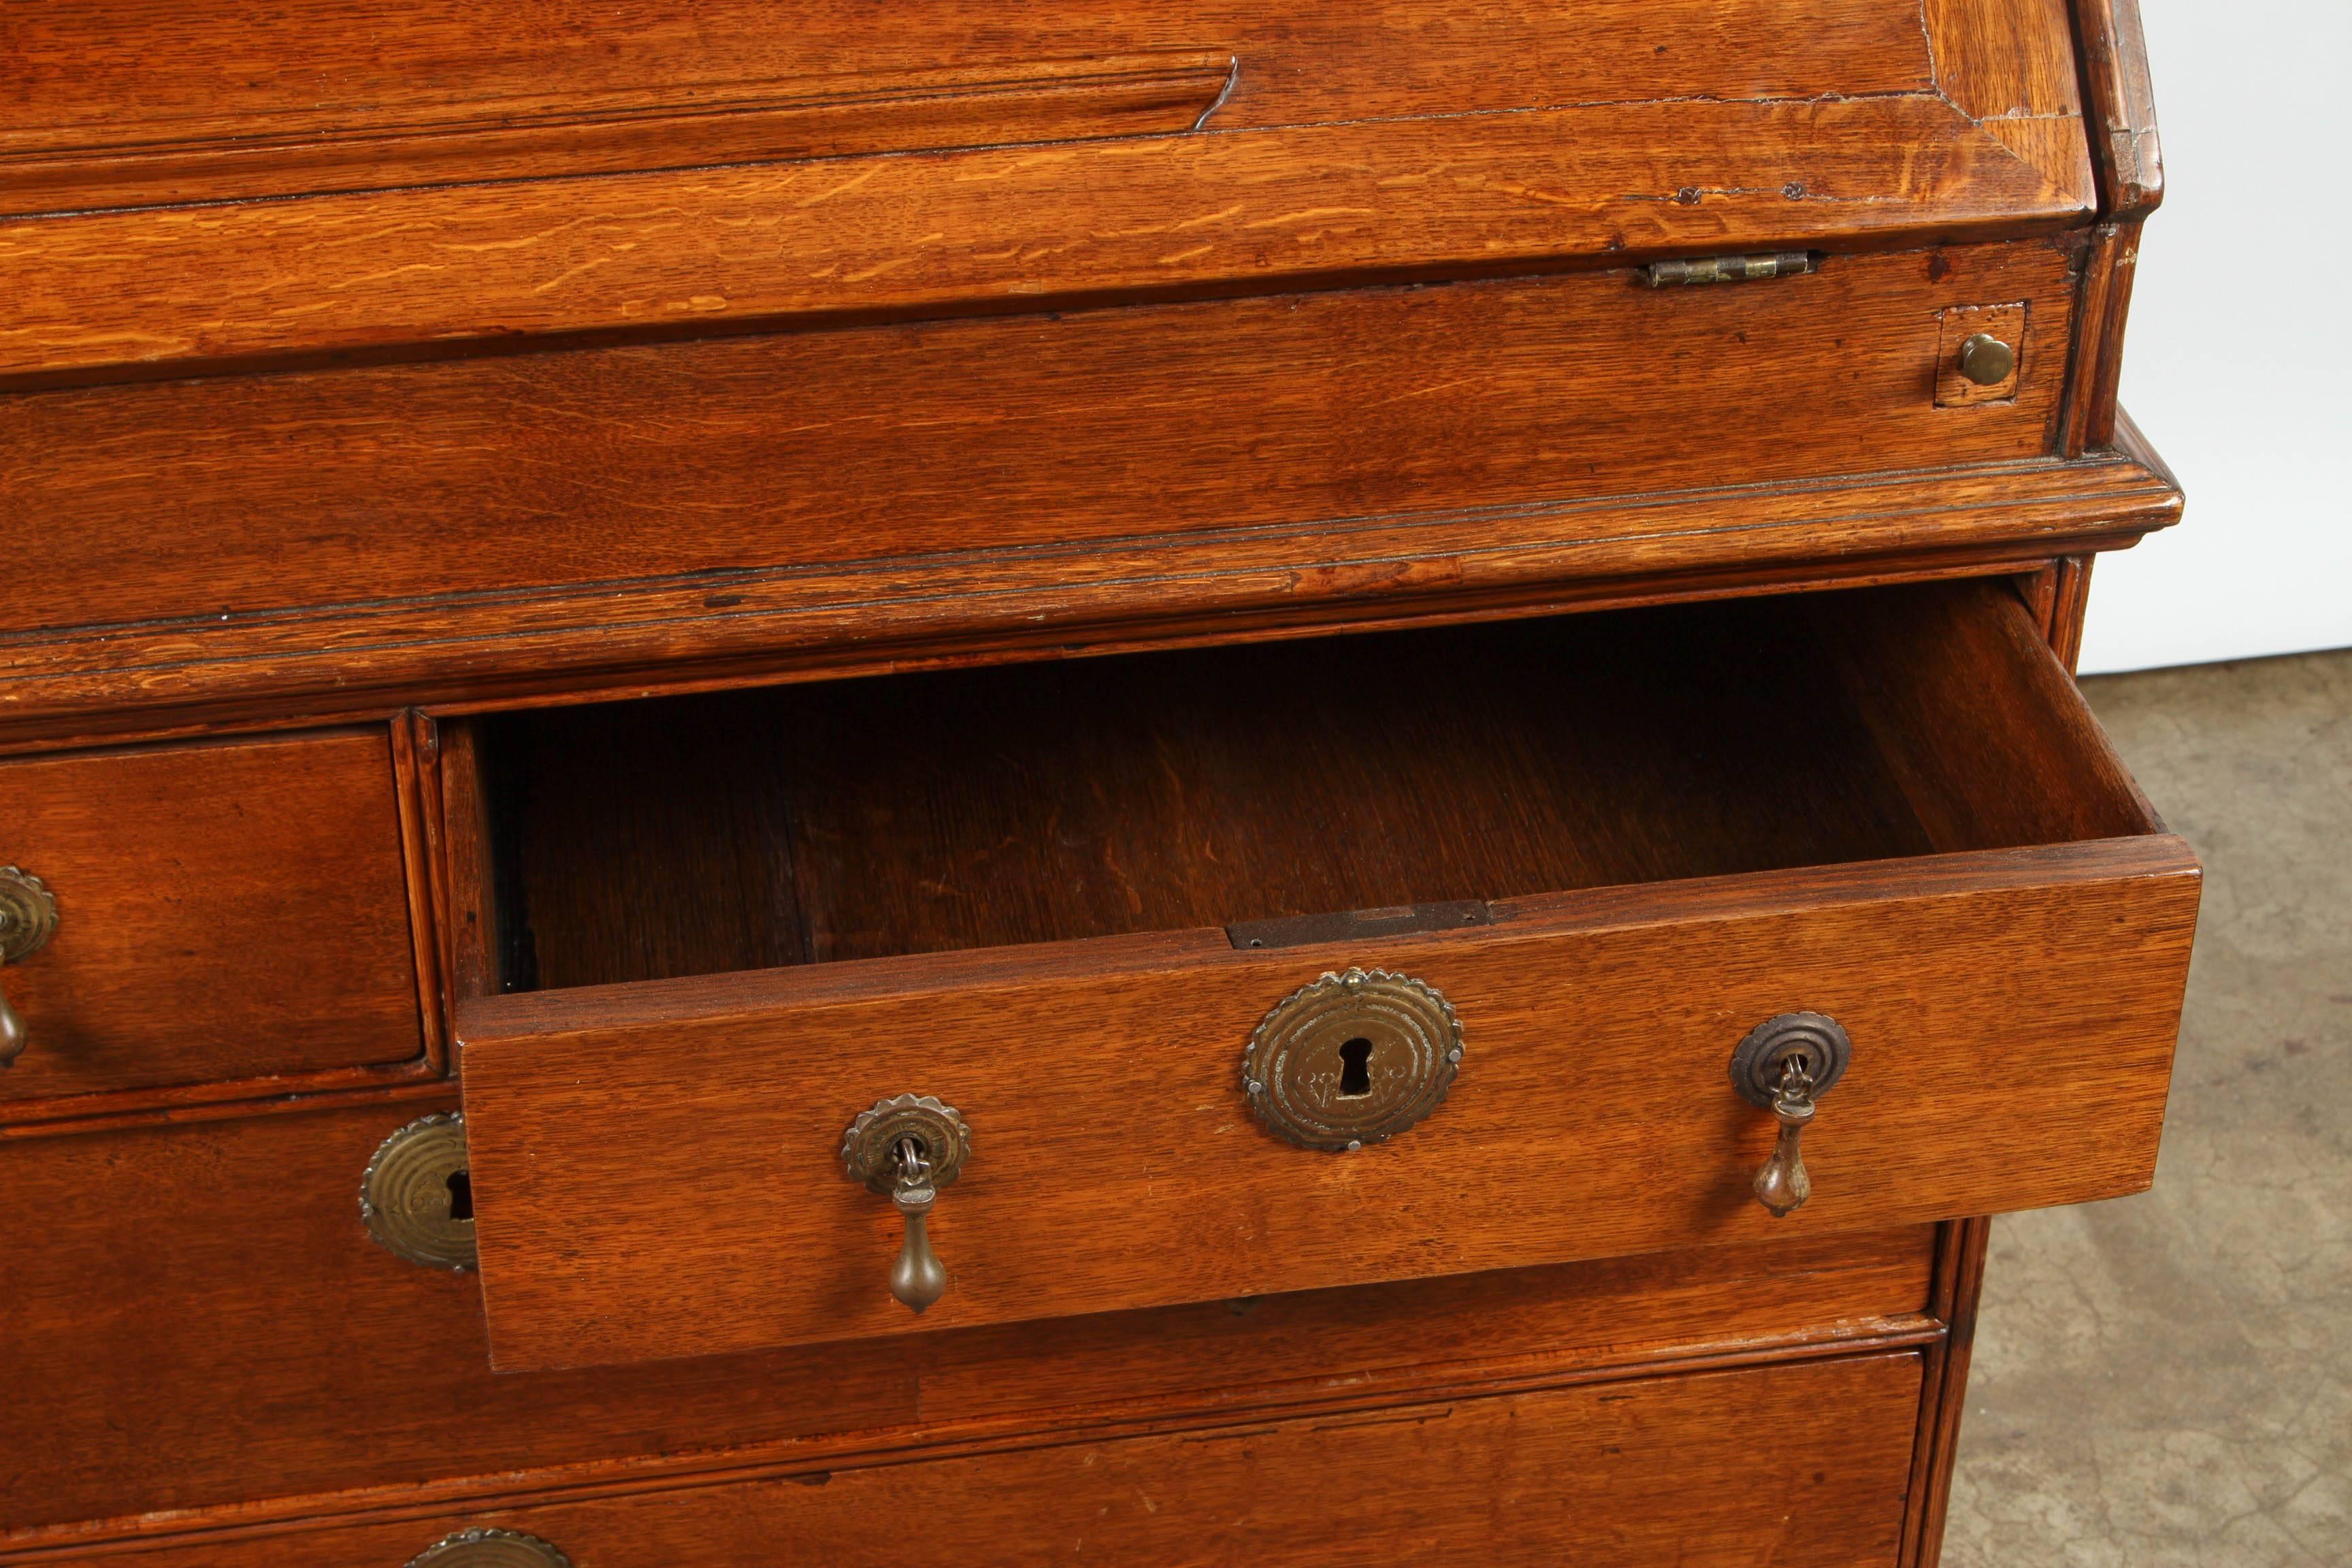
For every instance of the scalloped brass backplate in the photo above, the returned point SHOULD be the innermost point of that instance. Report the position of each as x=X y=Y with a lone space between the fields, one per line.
x=490 y=1548
x=417 y=1194
x=1354 y=1058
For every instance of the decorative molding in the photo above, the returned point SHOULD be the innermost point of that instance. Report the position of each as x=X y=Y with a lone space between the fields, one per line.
x=475 y=140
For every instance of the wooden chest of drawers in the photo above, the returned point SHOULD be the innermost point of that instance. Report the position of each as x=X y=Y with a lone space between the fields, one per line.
x=1148 y=783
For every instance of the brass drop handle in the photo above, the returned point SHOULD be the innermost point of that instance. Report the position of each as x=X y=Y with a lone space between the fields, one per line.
x=1782 y=1184
x=919 y=1278
x=1784 y=1066
x=27 y=917
x=908 y=1148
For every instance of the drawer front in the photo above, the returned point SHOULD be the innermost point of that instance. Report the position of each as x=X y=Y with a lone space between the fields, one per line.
x=223 y=911
x=657 y=1169
x=1805 y=1464
x=198 y=1316
x=1426 y=408
x=670 y=1166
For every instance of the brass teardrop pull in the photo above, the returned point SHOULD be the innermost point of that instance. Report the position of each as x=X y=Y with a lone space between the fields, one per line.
x=27 y=917
x=907 y=1149
x=1782 y=1184
x=1785 y=1065
x=919 y=1278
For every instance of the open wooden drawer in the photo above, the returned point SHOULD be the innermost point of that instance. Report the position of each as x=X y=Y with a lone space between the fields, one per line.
x=1062 y=899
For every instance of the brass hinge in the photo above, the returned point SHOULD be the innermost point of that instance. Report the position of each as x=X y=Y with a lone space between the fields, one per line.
x=1727 y=268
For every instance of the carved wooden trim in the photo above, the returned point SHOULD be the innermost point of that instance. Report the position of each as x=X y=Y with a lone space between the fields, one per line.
x=635 y=637
x=54 y=170
x=400 y=273
x=2124 y=145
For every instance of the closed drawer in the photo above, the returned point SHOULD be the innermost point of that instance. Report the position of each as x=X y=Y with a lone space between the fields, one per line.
x=1633 y=839
x=198 y=1316
x=222 y=912
x=1703 y=1470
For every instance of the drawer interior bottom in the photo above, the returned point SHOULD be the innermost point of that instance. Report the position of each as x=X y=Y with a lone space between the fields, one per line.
x=1171 y=791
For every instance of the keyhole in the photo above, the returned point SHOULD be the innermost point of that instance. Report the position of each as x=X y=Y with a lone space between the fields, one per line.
x=461 y=1195
x=1356 y=1069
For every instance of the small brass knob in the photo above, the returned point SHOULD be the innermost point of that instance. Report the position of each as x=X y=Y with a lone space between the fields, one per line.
x=908 y=1148
x=1785 y=1065
x=28 y=916
x=1987 y=361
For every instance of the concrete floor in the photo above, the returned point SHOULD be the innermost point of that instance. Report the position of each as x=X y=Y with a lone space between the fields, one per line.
x=2167 y=1379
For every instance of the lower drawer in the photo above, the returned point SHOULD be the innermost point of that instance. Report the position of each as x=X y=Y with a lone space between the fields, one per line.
x=1802 y=1465
x=196 y=1317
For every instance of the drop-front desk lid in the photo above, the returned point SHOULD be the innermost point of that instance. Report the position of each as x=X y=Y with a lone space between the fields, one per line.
x=208 y=185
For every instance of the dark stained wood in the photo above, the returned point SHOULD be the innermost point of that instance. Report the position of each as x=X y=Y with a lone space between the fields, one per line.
x=228 y=911
x=1636 y=1474
x=1976 y=719
x=925 y=235
x=198 y=1318
x=861 y=820
x=214 y=156
x=864 y=819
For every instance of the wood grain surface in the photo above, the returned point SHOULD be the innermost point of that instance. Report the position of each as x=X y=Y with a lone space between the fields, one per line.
x=1694 y=1470
x=864 y=819
x=214 y=155
x=661 y=1176
x=199 y=1322
x=2124 y=146
x=142 y=503
x=761 y=626
x=921 y=235
x=2010 y=65
x=226 y=911
x=143 y=71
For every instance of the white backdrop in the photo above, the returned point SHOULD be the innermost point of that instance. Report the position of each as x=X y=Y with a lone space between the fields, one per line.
x=2239 y=363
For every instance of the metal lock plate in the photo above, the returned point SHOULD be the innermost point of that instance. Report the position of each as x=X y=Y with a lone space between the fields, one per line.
x=490 y=1548
x=417 y=1194
x=1354 y=1058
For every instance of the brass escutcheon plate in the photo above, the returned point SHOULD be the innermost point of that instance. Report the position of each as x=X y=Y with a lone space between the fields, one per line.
x=489 y=1549
x=868 y=1146
x=411 y=1187
x=29 y=914
x=1355 y=1058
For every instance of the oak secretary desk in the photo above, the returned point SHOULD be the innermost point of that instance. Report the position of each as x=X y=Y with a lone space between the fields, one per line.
x=1141 y=782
